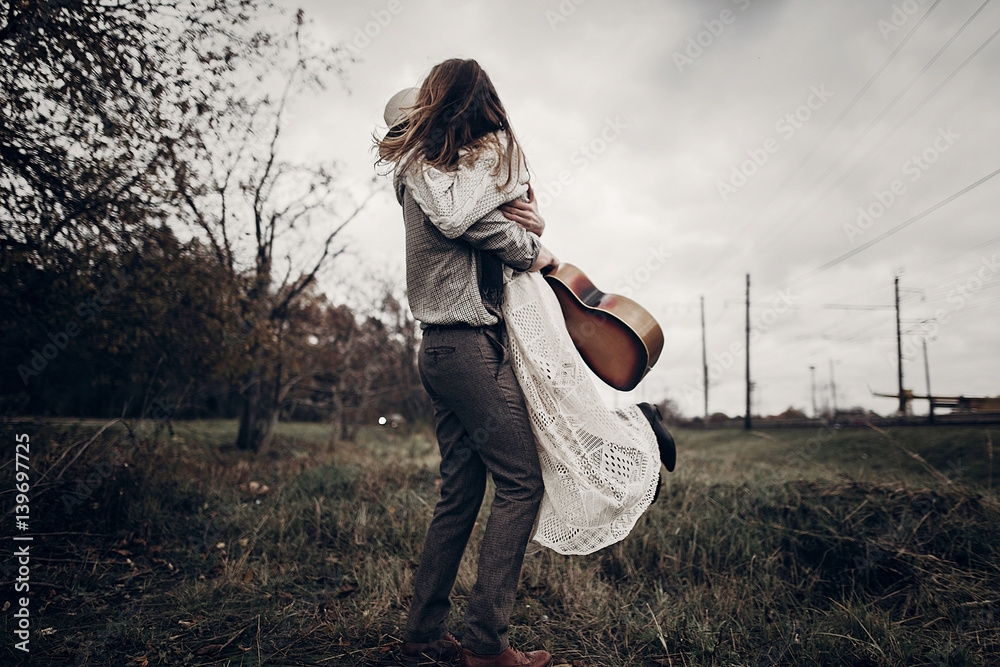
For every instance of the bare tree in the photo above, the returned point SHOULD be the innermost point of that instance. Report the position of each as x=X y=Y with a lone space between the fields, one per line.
x=254 y=193
x=98 y=102
x=94 y=96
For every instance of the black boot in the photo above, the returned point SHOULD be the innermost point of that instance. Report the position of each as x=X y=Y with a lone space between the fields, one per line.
x=668 y=452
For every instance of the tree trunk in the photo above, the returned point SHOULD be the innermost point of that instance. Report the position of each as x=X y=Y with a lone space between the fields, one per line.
x=345 y=431
x=267 y=436
x=248 y=435
x=258 y=415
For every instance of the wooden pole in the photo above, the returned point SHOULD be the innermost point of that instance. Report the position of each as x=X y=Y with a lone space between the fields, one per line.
x=812 y=379
x=833 y=391
x=746 y=418
x=927 y=375
x=899 y=356
x=704 y=356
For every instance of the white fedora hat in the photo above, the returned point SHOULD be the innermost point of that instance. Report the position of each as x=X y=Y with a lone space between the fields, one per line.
x=398 y=106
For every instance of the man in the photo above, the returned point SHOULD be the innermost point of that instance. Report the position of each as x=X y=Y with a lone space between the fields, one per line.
x=454 y=287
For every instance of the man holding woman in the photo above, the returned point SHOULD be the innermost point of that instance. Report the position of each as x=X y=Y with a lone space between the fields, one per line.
x=471 y=219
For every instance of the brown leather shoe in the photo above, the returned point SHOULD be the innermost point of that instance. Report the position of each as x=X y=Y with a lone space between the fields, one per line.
x=445 y=649
x=509 y=658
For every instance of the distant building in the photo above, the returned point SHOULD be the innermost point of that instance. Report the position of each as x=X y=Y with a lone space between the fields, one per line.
x=967 y=404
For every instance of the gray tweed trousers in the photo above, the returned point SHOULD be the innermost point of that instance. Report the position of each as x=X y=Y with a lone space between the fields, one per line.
x=482 y=425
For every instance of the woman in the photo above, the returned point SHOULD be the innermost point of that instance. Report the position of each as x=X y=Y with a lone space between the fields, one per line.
x=458 y=171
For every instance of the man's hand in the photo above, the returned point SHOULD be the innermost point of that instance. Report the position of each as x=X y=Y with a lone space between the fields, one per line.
x=545 y=258
x=525 y=213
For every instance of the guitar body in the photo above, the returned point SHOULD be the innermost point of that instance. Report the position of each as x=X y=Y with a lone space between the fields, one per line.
x=617 y=337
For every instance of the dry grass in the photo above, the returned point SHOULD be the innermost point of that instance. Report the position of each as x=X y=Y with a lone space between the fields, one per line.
x=782 y=548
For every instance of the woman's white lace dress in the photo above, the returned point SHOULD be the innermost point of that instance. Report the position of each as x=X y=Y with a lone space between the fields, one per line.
x=600 y=466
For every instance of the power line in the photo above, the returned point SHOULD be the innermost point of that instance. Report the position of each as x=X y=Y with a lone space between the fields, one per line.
x=881 y=115
x=836 y=122
x=984 y=244
x=881 y=237
x=961 y=253
x=974 y=308
x=837 y=343
x=843 y=177
x=947 y=286
x=686 y=352
x=848 y=306
x=905 y=89
x=852 y=336
x=940 y=288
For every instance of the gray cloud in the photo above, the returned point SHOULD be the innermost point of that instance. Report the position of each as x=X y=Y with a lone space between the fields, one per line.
x=688 y=127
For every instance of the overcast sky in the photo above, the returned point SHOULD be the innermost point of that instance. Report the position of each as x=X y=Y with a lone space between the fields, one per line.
x=678 y=146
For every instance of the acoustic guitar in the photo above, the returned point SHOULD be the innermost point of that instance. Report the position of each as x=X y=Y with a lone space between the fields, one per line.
x=617 y=337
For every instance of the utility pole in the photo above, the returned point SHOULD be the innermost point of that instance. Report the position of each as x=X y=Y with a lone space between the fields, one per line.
x=746 y=418
x=812 y=375
x=833 y=391
x=899 y=355
x=704 y=356
x=927 y=374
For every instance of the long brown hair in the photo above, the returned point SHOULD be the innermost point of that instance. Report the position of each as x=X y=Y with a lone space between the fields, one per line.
x=457 y=107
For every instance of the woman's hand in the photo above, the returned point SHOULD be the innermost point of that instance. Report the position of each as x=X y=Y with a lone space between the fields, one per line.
x=525 y=213
x=545 y=258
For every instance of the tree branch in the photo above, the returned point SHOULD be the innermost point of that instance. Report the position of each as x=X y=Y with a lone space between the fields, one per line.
x=311 y=275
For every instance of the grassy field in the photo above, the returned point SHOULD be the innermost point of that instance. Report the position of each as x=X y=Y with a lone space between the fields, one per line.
x=808 y=547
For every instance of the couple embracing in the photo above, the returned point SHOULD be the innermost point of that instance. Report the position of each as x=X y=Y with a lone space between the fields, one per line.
x=511 y=394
